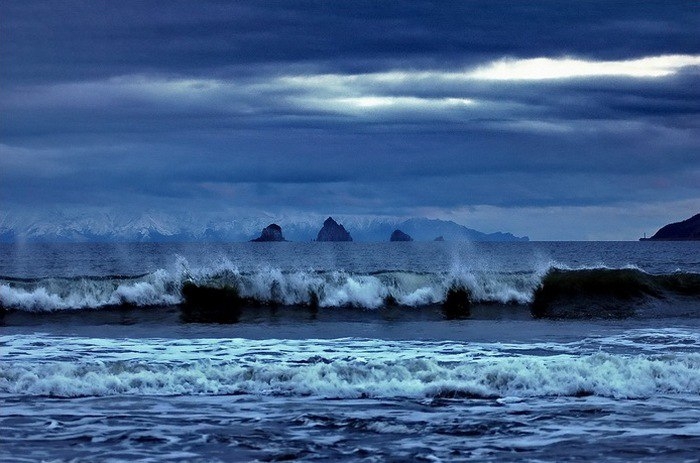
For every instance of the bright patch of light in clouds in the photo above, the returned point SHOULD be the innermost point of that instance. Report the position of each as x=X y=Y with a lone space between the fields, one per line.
x=570 y=68
x=504 y=69
x=394 y=102
x=347 y=92
x=370 y=101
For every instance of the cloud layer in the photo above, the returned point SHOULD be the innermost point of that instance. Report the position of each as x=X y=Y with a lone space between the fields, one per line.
x=351 y=108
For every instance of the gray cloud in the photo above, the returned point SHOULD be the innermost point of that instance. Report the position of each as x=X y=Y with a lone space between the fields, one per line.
x=358 y=107
x=74 y=40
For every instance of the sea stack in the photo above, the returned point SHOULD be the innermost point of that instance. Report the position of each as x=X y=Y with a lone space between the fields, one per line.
x=333 y=231
x=272 y=232
x=398 y=235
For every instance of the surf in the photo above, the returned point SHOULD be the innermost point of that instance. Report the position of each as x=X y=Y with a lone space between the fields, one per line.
x=223 y=293
x=342 y=368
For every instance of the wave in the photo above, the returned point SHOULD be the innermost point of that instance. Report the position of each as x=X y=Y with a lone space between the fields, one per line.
x=265 y=286
x=550 y=292
x=605 y=292
x=89 y=292
x=599 y=374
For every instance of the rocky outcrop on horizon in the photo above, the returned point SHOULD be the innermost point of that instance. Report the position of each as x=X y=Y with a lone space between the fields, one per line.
x=687 y=230
x=333 y=231
x=398 y=235
x=161 y=227
x=427 y=229
x=272 y=232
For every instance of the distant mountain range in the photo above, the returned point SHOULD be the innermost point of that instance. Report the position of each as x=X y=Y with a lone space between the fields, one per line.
x=165 y=228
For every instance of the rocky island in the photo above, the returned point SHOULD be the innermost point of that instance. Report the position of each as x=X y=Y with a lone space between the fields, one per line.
x=272 y=232
x=687 y=230
x=398 y=235
x=333 y=231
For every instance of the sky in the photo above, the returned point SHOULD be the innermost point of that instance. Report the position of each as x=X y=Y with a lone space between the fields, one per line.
x=556 y=120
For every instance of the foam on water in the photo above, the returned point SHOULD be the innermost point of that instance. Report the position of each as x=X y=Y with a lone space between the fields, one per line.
x=599 y=374
x=343 y=368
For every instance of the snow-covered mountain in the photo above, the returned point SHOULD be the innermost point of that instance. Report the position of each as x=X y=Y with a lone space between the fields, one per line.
x=161 y=227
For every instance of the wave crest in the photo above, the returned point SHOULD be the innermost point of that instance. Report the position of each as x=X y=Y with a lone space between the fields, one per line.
x=551 y=292
x=599 y=374
x=52 y=294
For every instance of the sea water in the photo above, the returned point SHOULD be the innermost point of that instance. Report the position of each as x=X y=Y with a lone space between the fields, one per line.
x=102 y=359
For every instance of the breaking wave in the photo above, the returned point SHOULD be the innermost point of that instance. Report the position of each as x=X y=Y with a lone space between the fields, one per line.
x=599 y=374
x=265 y=286
x=550 y=292
x=52 y=294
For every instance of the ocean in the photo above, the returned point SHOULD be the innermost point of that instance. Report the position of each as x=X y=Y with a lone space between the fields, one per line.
x=561 y=351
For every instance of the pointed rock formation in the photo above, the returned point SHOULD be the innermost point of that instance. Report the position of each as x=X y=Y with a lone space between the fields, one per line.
x=332 y=231
x=272 y=232
x=398 y=235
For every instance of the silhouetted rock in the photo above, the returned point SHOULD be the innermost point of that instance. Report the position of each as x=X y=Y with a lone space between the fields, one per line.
x=679 y=231
x=439 y=238
x=398 y=235
x=272 y=232
x=206 y=304
x=333 y=231
x=457 y=303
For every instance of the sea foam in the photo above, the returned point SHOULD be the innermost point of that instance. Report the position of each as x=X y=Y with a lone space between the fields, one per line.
x=352 y=376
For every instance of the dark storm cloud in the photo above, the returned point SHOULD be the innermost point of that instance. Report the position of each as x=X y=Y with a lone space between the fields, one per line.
x=73 y=40
x=366 y=107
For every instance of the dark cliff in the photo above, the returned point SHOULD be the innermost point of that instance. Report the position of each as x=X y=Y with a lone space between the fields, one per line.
x=686 y=230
